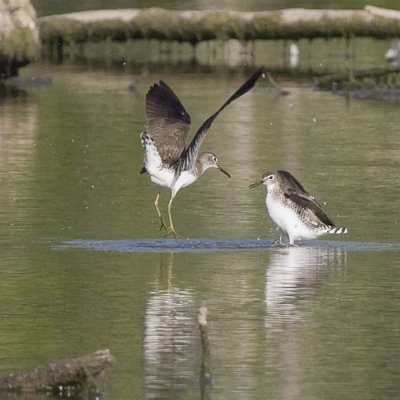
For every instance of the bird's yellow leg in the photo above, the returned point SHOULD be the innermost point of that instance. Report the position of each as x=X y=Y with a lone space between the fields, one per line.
x=171 y=229
x=162 y=224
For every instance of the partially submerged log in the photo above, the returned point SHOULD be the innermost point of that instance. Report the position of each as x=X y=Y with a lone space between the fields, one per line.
x=196 y=26
x=367 y=84
x=383 y=12
x=71 y=376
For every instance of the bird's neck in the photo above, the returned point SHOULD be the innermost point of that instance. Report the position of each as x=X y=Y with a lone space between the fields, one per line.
x=275 y=193
x=199 y=168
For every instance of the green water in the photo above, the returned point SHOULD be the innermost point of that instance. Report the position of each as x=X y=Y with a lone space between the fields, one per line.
x=317 y=322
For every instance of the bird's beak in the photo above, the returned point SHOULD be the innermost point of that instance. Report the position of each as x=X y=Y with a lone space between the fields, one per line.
x=255 y=184
x=224 y=172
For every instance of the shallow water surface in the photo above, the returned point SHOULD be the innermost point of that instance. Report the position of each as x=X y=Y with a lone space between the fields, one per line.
x=204 y=245
x=85 y=267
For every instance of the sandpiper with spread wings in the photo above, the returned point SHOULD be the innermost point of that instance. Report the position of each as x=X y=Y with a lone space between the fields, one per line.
x=297 y=214
x=167 y=159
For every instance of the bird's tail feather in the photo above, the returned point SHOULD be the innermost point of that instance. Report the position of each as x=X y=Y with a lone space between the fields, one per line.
x=336 y=230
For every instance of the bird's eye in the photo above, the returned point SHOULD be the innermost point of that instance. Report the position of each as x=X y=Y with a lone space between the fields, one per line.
x=215 y=159
x=270 y=177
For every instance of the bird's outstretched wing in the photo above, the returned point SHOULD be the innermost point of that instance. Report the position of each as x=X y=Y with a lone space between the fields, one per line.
x=192 y=151
x=168 y=123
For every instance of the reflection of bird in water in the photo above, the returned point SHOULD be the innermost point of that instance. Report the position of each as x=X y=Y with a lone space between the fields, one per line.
x=169 y=338
x=297 y=214
x=294 y=53
x=295 y=277
x=292 y=278
x=392 y=56
x=167 y=159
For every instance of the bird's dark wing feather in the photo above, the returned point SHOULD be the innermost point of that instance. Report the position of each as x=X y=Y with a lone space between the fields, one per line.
x=290 y=182
x=168 y=123
x=304 y=200
x=192 y=151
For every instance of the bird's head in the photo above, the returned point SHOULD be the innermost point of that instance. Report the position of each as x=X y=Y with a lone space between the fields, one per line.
x=269 y=179
x=210 y=160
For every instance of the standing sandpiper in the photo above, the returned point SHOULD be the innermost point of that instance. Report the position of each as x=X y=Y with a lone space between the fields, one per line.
x=167 y=158
x=297 y=214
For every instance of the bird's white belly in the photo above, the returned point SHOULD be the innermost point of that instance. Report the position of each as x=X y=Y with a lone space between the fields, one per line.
x=288 y=221
x=184 y=179
x=163 y=176
x=158 y=173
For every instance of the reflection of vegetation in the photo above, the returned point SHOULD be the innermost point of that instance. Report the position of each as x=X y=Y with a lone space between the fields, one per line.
x=20 y=45
x=19 y=36
x=17 y=48
x=318 y=57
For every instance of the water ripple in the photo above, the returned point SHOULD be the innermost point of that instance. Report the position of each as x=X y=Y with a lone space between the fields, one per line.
x=206 y=245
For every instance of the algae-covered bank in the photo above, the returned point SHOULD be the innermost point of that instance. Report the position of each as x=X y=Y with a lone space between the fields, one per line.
x=19 y=36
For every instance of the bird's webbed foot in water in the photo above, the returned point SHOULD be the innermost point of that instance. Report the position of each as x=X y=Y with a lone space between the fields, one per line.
x=279 y=242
